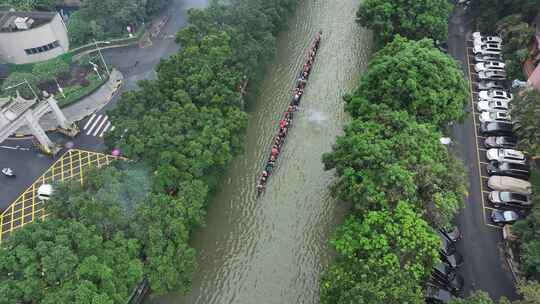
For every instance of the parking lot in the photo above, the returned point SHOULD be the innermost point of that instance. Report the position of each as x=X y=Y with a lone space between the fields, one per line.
x=480 y=148
x=27 y=207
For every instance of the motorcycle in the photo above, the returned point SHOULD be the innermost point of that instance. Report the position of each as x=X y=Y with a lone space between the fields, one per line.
x=8 y=172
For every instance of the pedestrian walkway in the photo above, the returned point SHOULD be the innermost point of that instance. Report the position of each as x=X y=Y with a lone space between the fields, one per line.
x=97 y=125
x=84 y=107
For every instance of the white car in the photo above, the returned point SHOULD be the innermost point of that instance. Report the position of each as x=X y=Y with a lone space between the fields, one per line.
x=479 y=39
x=488 y=85
x=488 y=57
x=506 y=155
x=495 y=95
x=492 y=106
x=489 y=65
x=488 y=48
x=495 y=116
x=492 y=75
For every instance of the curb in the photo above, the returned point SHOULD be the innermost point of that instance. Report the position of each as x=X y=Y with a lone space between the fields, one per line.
x=117 y=85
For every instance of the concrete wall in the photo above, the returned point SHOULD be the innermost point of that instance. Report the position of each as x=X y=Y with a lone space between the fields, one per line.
x=13 y=44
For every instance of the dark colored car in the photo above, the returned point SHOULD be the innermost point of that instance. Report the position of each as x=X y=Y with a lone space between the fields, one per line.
x=453 y=234
x=508 y=169
x=506 y=199
x=447 y=245
x=454 y=260
x=496 y=129
x=500 y=142
x=445 y=277
x=436 y=295
x=501 y=217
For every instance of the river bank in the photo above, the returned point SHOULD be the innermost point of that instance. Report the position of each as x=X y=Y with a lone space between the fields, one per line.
x=272 y=249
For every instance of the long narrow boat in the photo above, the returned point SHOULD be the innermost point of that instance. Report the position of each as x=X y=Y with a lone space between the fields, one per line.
x=286 y=121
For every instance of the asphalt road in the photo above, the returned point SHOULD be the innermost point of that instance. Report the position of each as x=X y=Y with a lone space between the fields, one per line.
x=485 y=267
x=135 y=63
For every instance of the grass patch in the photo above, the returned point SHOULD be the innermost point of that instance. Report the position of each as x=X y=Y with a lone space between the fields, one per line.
x=27 y=67
x=77 y=92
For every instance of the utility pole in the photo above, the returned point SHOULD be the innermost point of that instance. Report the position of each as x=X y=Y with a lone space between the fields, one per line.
x=101 y=56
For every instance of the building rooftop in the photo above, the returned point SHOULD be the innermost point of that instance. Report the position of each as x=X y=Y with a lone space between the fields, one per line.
x=33 y=20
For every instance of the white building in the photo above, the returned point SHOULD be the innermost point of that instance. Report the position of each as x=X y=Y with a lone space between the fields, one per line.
x=28 y=37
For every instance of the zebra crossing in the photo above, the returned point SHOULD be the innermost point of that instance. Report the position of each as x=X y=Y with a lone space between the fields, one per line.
x=97 y=125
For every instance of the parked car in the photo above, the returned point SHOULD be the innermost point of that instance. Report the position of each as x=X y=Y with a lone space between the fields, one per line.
x=495 y=95
x=446 y=278
x=478 y=38
x=487 y=48
x=454 y=260
x=492 y=106
x=489 y=85
x=503 y=217
x=500 y=142
x=500 y=116
x=507 y=199
x=492 y=75
x=508 y=169
x=489 y=65
x=436 y=295
x=447 y=246
x=506 y=155
x=453 y=234
x=496 y=129
x=488 y=57
x=512 y=184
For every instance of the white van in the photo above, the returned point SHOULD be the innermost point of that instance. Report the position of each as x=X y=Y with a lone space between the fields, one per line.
x=505 y=183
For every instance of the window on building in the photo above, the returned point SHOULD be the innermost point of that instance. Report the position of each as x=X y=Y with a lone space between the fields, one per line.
x=43 y=48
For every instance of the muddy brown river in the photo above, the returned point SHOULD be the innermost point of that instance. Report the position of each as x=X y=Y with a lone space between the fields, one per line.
x=272 y=249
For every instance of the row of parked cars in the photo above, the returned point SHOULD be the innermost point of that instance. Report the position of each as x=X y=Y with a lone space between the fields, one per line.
x=508 y=168
x=445 y=281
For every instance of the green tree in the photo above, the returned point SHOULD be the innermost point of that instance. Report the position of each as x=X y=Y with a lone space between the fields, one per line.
x=530 y=292
x=50 y=69
x=79 y=29
x=32 y=5
x=414 y=19
x=106 y=200
x=525 y=113
x=488 y=12
x=65 y=262
x=517 y=36
x=478 y=297
x=389 y=157
x=385 y=258
x=416 y=77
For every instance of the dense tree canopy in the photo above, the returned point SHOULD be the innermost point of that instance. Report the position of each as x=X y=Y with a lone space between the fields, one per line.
x=416 y=77
x=525 y=113
x=389 y=157
x=488 y=12
x=67 y=262
x=384 y=258
x=414 y=19
x=517 y=36
x=32 y=5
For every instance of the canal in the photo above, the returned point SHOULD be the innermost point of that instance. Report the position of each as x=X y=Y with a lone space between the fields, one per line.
x=272 y=249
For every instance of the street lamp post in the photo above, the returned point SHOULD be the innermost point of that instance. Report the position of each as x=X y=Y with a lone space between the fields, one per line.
x=95 y=69
x=101 y=56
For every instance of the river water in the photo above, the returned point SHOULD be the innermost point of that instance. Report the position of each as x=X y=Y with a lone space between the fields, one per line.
x=272 y=249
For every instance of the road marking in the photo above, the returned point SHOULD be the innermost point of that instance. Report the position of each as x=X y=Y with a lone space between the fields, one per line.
x=15 y=148
x=100 y=125
x=93 y=125
x=89 y=121
x=476 y=136
x=105 y=129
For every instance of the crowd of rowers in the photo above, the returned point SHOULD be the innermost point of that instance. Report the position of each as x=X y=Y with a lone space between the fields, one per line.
x=286 y=121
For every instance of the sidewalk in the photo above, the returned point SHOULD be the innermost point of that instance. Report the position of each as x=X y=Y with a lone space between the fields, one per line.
x=82 y=108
